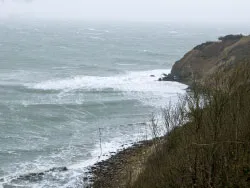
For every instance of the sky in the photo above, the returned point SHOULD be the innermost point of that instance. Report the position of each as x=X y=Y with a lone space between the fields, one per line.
x=131 y=10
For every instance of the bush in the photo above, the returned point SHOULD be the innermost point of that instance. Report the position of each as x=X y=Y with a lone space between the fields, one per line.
x=209 y=144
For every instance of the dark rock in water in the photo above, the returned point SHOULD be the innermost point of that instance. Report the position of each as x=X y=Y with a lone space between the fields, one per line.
x=152 y=75
x=34 y=177
x=85 y=179
x=142 y=123
x=58 y=169
x=168 y=77
x=12 y=186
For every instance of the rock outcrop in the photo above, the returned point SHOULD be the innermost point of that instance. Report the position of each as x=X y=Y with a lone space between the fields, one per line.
x=168 y=77
x=205 y=59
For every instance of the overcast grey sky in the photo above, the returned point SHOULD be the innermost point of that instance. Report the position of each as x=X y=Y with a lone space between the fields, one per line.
x=133 y=10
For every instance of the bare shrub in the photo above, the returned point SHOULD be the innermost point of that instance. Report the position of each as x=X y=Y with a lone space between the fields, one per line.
x=208 y=136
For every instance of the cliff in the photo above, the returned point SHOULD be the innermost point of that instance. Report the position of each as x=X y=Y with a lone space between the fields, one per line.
x=208 y=145
x=207 y=135
x=209 y=57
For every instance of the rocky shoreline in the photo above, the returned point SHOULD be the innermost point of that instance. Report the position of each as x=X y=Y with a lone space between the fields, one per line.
x=123 y=168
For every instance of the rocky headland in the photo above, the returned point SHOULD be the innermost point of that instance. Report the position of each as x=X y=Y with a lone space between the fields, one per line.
x=209 y=57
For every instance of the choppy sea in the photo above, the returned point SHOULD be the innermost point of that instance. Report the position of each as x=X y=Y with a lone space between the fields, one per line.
x=64 y=85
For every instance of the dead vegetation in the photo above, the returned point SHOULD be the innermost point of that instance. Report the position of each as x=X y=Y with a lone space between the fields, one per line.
x=208 y=139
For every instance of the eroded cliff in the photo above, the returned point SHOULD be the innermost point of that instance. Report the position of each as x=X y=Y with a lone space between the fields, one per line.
x=209 y=57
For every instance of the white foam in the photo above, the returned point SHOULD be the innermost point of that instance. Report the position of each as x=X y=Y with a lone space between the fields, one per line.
x=133 y=81
x=91 y=29
x=74 y=176
x=173 y=32
x=75 y=173
x=117 y=144
x=97 y=38
x=135 y=85
x=138 y=85
x=111 y=147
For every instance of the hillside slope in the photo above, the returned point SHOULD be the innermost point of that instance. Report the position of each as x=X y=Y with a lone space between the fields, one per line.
x=209 y=143
x=207 y=58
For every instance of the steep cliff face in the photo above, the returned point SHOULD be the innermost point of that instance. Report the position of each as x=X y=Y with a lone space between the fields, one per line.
x=209 y=57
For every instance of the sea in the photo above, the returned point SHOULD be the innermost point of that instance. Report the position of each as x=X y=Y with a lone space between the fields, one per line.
x=74 y=92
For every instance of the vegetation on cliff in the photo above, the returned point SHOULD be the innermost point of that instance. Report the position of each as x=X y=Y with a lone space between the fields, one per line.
x=210 y=140
x=207 y=141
